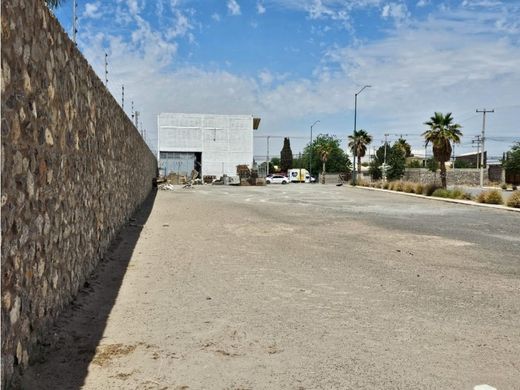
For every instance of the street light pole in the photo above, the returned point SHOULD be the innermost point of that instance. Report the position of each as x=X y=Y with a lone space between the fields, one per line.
x=355 y=128
x=310 y=153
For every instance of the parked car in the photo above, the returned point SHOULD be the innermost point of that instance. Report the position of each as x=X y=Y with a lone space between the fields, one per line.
x=276 y=179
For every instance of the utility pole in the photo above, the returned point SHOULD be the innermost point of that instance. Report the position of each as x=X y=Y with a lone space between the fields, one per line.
x=425 y=150
x=354 y=173
x=123 y=96
x=384 y=160
x=300 y=164
x=453 y=163
x=483 y=111
x=310 y=151
x=267 y=162
x=106 y=69
x=477 y=142
x=74 y=20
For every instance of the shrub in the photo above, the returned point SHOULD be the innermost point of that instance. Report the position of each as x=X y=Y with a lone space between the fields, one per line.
x=494 y=197
x=399 y=186
x=514 y=187
x=458 y=193
x=481 y=197
x=514 y=200
x=386 y=185
x=429 y=189
x=414 y=164
x=441 y=193
x=490 y=197
x=503 y=186
x=409 y=188
x=419 y=188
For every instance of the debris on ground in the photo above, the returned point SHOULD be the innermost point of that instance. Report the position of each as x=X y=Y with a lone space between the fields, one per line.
x=167 y=187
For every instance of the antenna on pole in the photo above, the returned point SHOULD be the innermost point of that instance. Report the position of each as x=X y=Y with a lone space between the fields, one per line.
x=74 y=20
x=123 y=96
x=106 y=69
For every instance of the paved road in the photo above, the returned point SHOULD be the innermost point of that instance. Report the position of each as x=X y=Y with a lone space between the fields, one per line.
x=297 y=287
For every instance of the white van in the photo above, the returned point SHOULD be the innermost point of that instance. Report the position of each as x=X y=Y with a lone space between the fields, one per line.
x=299 y=175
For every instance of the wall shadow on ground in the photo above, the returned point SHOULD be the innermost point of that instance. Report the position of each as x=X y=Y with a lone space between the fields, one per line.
x=70 y=346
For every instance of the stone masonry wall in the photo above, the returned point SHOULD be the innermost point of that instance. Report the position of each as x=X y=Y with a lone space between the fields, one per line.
x=454 y=177
x=74 y=169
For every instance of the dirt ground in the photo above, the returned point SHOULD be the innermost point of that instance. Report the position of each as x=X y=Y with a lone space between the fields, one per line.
x=296 y=287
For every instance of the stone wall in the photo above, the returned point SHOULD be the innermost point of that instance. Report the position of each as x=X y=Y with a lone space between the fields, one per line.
x=332 y=178
x=453 y=176
x=74 y=169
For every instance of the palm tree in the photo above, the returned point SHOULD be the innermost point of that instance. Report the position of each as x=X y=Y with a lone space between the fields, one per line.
x=358 y=142
x=405 y=146
x=324 y=150
x=441 y=134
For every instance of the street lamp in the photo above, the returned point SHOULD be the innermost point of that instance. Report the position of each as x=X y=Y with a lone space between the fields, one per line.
x=355 y=128
x=310 y=153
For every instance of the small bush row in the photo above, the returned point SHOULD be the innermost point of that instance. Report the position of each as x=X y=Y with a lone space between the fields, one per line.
x=402 y=186
x=489 y=196
x=456 y=193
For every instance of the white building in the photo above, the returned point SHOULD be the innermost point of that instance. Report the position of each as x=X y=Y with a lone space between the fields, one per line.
x=211 y=144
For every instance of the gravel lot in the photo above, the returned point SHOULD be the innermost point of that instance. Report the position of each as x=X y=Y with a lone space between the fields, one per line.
x=296 y=287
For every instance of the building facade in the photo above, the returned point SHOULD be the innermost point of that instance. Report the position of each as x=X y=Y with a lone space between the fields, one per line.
x=211 y=144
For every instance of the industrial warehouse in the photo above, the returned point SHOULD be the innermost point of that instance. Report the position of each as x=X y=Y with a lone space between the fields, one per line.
x=212 y=145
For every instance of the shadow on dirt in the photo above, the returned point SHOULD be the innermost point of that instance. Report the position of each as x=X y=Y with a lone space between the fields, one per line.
x=71 y=343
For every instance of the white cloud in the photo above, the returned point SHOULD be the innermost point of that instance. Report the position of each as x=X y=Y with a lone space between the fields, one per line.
x=181 y=26
x=397 y=11
x=481 y=3
x=265 y=77
x=216 y=17
x=92 y=10
x=454 y=62
x=422 y=3
x=260 y=8
x=233 y=7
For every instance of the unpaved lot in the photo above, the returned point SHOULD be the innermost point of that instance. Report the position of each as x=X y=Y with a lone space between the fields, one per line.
x=296 y=287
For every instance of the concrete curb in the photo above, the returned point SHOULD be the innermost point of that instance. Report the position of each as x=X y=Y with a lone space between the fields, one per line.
x=460 y=201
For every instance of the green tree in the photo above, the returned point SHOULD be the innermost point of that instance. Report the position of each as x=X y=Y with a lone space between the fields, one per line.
x=286 y=157
x=441 y=133
x=358 y=142
x=511 y=160
x=462 y=164
x=395 y=162
x=414 y=164
x=337 y=160
x=432 y=165
x=403 y=144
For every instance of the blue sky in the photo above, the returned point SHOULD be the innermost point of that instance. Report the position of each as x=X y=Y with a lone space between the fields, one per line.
x=293 y=62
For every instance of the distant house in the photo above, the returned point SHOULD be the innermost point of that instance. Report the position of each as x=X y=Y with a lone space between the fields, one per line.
x=211 y=144
x=470 y=160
